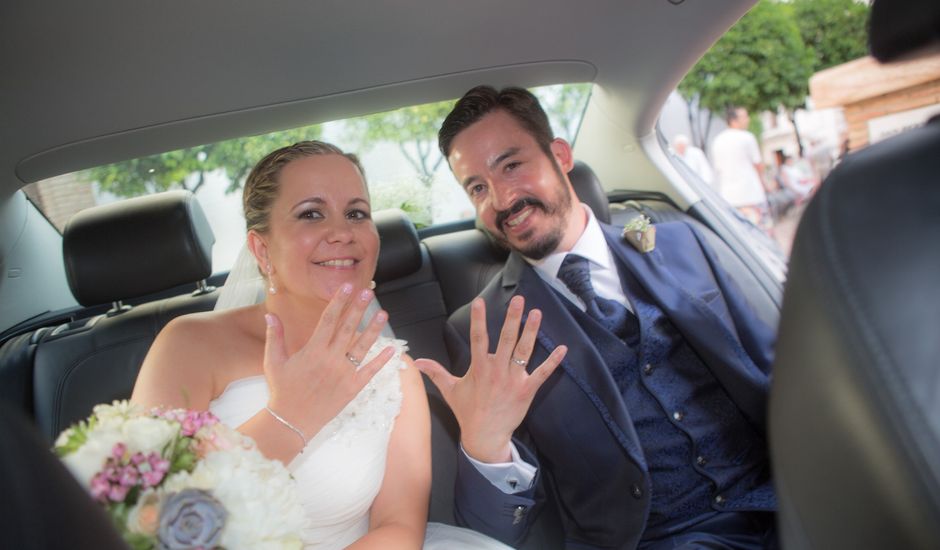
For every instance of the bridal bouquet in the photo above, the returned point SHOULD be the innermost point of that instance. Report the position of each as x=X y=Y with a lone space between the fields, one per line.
x=173 y=479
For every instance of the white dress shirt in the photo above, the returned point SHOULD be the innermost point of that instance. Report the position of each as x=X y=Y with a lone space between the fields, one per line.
x=517 y=476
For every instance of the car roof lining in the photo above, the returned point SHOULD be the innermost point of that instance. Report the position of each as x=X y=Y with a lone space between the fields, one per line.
x=178 y=134
x=92 y=82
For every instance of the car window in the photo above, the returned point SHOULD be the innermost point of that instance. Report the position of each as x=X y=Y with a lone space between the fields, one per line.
x=398 y=150
x=750 y=126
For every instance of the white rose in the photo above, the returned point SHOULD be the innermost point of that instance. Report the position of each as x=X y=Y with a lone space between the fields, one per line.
x=89 y=459
x=146 y=435
x=116 y=411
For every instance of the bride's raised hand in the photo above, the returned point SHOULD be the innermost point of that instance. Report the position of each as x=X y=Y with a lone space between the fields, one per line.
x=312 y=386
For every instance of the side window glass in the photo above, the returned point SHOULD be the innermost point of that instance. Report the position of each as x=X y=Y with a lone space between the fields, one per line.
x=747 y=123
x=398 y=150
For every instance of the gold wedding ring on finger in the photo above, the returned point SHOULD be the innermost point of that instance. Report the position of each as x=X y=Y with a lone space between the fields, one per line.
x=520 y=362
x=353 y=360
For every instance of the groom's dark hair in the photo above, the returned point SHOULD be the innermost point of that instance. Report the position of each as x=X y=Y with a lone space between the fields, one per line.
x=519 y=103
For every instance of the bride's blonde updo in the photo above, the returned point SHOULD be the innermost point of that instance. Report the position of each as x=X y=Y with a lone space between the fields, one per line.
x=262 y=184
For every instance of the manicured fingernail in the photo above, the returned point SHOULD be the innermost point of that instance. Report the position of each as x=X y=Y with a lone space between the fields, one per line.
x=365 y=295
x=346 y=288
x=381 y=317
x=268 y=319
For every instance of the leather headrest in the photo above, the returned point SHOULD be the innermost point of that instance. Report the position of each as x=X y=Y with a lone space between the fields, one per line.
x=136 y=247
x=400 y=253
x=854 y=414
x=589 y=190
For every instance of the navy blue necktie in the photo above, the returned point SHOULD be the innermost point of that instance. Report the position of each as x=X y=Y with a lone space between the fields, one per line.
x=575 y=272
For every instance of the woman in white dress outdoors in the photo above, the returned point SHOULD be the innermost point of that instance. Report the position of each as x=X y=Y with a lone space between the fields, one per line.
x=344 y=408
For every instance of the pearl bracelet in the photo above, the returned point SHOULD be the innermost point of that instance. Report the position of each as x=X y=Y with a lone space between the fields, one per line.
x=293 y=428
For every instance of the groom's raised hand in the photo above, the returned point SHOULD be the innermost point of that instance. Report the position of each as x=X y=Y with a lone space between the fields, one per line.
x=492 y=398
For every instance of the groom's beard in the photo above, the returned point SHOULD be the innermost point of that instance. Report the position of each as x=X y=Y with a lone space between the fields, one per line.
x=556 y=213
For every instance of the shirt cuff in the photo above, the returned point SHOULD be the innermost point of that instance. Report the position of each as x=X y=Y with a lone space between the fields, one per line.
x=509 y=477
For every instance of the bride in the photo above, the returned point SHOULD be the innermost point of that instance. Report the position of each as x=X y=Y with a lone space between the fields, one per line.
x=345 y=409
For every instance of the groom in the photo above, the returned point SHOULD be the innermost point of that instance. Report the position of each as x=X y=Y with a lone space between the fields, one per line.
x=651 y=431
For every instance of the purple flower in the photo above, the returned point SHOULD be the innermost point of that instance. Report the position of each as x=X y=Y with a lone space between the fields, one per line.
x=190 y=519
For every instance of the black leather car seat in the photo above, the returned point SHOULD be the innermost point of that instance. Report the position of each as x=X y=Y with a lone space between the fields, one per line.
x=855 y=401
x=112 y=253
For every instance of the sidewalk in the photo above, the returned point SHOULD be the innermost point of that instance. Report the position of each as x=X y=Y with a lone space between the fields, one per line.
x=785 y=228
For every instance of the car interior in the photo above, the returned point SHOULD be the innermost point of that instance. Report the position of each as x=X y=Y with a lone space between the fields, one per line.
x=98 y=82
x=854 y=419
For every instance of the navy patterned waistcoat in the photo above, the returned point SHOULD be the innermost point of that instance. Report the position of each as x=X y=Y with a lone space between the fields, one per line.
x=703 y=455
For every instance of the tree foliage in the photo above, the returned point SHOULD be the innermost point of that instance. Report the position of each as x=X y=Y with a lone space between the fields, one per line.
x=564 y=106
x=173 y=170
x=835 y=31
x=413 y=129
x=761 y=64
x=764 y=62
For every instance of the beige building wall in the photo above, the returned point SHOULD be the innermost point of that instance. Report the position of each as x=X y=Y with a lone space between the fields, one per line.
x=880 y=99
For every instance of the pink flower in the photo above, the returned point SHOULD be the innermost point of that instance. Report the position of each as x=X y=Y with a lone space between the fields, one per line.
x=193 y=421
x=111 y=471
x=118 y=492
x=159 y=464
x=100 y=487
x=118 y=451
x=151 y=479
x=129 y=476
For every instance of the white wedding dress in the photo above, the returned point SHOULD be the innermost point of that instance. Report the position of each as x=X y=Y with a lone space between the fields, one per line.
x=340 y=471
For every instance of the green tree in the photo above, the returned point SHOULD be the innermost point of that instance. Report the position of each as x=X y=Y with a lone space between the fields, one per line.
x=413 y=129
x=173 y=170
x=836 y=31
x=564 y=106
x=761 y=64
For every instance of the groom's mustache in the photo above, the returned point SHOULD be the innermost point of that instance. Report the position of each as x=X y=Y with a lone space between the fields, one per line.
x=517 y=207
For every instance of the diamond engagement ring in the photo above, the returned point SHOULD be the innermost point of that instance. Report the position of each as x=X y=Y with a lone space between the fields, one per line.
x=352 y=359
x=520 y=362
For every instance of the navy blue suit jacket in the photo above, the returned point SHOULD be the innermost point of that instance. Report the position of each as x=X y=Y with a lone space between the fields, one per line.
x=578 y=430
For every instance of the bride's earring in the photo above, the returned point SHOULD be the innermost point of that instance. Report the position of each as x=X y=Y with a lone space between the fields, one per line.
x=271 y=288
x=371 y=285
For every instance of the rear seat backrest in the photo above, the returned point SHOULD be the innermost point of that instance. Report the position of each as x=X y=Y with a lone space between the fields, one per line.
x=112 y=253
x=408 y=289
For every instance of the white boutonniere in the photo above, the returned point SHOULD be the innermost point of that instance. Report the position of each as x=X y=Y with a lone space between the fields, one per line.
x=641 y=233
